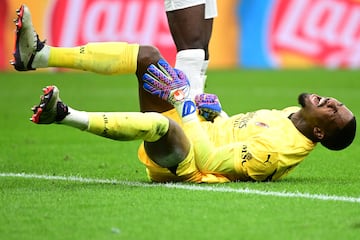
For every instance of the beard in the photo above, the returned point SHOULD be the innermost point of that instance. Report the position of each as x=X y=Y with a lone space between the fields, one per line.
x=301 y=99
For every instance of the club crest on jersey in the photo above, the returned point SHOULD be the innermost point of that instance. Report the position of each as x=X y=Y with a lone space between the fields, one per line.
x=261 y=124
x=188 y=108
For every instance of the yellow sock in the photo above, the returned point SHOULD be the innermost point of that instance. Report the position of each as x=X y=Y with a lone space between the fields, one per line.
x=104 y=58
x=126 y=126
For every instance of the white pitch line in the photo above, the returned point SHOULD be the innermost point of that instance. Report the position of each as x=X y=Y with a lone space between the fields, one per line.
x=191 y=187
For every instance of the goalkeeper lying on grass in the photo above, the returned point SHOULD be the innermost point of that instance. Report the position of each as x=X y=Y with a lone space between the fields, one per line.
x=177 y=146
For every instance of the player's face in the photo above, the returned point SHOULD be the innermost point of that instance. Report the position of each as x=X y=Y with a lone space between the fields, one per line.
x=327 y=113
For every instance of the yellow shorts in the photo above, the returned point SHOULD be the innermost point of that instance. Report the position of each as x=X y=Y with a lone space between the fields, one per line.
x=187 y=170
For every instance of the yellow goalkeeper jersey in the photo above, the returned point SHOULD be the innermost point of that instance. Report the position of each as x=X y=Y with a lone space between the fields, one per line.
x=261 y=145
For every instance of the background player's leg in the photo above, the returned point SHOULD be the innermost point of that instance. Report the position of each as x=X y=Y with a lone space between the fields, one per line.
x=191 y=33
x=190 y=29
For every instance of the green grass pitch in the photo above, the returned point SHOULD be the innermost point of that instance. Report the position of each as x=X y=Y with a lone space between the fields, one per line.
x=65 y=190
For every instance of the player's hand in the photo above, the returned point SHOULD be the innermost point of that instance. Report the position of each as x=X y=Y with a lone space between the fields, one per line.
x=208 y=105
x=167 y=83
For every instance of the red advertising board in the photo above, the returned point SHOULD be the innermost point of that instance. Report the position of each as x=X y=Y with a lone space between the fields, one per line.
x=3 y=44
x=70 y=23
x=325 y=32
x=300 y=33
x=76 y=22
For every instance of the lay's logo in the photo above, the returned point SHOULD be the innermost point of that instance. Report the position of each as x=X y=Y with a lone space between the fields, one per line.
x=76 y=22
x=301 y=33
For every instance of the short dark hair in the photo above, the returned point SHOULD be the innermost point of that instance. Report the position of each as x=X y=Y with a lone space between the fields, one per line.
x=342 y=138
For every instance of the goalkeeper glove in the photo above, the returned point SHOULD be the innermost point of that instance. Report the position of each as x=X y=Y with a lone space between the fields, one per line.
x=208 y=105
x=167 y=83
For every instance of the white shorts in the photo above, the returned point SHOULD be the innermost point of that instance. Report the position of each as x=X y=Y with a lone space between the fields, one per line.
x=210 y=6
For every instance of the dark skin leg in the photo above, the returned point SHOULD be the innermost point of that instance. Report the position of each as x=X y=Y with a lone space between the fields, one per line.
x=174 y=146
x=148 y=103
x=189 y=29
x=171 y=149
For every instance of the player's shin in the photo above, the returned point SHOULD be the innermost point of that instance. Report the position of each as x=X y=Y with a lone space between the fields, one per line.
x=127 y=126
x=104 y=58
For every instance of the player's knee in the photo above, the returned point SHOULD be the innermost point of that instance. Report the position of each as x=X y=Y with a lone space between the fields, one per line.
x=171 y=149
x=147 y=55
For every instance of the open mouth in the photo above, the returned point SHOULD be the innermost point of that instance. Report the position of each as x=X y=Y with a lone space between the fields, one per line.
x=317 y=100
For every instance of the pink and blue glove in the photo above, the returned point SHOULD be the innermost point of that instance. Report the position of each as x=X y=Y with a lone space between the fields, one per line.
x=208 y=105
x=167 y=83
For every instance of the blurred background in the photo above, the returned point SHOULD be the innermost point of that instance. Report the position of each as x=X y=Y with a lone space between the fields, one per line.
x=247 y=33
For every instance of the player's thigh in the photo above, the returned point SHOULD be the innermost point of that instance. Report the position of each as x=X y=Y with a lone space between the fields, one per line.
x=186 y=171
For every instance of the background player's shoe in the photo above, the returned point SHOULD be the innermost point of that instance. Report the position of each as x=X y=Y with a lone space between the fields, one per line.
x=27 y=41
x=167 y=83
x=50 y=109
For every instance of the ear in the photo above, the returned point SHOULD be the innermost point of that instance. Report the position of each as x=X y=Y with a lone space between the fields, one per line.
x=318 y=133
